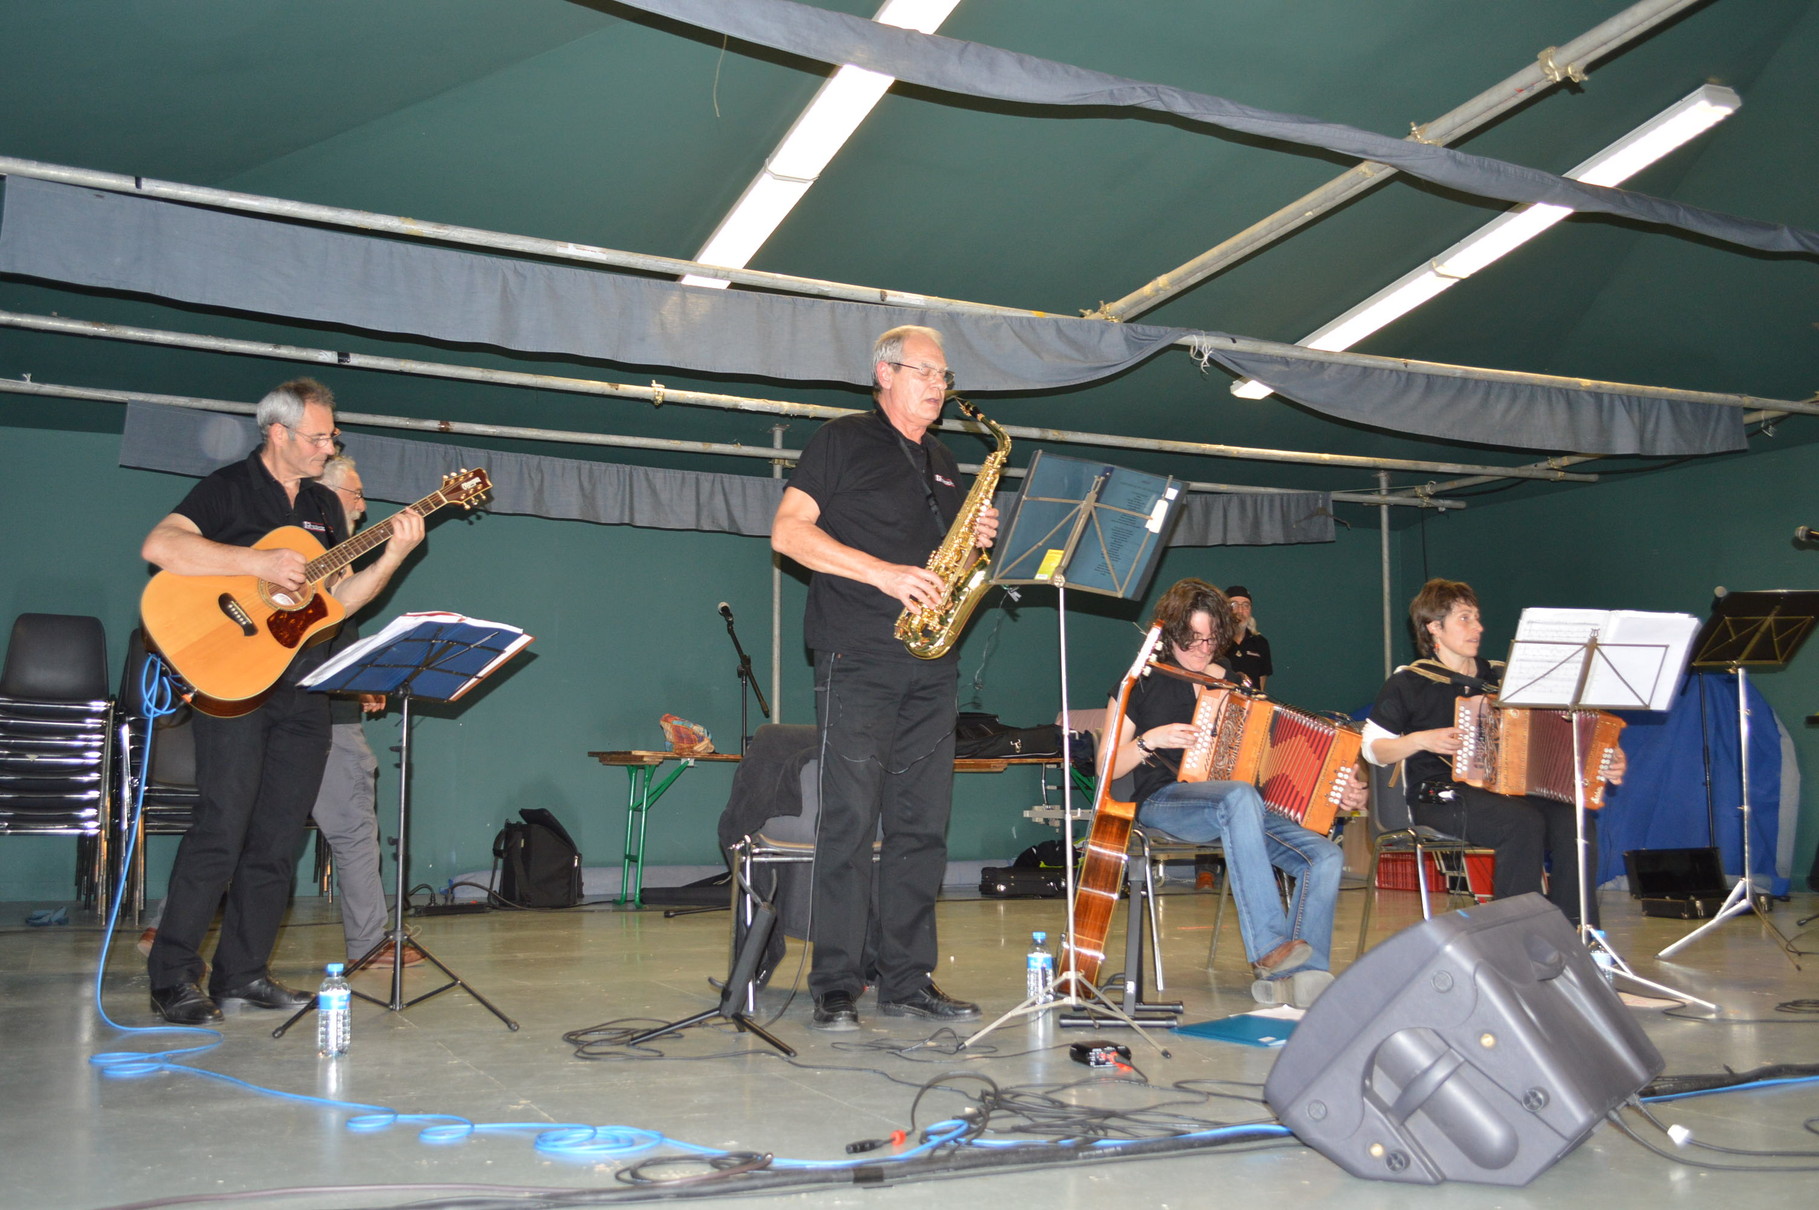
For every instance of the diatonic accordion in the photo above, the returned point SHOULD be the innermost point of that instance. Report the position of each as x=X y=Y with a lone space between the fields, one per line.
x=1523 y=750
x=1300 y=762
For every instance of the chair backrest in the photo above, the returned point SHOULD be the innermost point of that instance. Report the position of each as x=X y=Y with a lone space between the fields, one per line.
x=1389 y=807
x=56 y=657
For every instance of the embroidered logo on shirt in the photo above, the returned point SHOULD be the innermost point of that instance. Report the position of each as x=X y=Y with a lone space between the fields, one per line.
x=944 y=481
x=315 y=527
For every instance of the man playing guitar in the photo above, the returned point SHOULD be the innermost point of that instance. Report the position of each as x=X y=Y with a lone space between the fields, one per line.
x=258 y=773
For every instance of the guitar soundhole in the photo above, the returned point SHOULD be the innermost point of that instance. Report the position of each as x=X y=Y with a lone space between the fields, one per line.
x=236 y=614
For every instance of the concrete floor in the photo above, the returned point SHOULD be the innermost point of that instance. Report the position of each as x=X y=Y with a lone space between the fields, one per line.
x=72 y=1136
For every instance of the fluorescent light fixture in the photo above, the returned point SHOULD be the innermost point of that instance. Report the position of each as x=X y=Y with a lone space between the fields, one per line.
x=817 y=135
x=1679 y=123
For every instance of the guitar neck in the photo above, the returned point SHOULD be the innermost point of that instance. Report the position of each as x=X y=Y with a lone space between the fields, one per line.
x=372 y=538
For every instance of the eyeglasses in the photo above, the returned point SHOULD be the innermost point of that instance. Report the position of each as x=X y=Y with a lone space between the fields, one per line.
x=1204 y=640
x=928 y=373
x=349 y=491
x=322 y=441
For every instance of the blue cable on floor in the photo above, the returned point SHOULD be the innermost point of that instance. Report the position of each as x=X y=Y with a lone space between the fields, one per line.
x=156 y=692
x=574 y=1141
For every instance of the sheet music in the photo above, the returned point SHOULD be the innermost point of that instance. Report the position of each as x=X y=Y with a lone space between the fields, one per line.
x=500 y=640
x=1641 y=655
x=1636 y=666
x=1546 y=658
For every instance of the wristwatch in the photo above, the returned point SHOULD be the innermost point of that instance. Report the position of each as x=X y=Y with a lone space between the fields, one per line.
x=1145 y=748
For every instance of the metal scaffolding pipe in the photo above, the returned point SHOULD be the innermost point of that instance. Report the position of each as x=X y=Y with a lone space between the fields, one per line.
x=659 y=394
x=1566 y=61
x=776 y=453
x=1383 y=554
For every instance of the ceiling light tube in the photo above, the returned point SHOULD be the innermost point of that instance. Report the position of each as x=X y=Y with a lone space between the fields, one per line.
x=816 y=136
x=1681 y=122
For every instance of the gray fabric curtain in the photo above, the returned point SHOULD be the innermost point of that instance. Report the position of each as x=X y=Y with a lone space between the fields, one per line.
x=1535 y=417
x=190 y=441
x=112 y=241
x=972 y=69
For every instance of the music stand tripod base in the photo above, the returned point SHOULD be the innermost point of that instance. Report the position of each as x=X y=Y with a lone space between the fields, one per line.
x=415 y=656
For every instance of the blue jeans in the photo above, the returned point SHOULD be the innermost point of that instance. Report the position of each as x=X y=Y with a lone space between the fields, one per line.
x=1254 y=840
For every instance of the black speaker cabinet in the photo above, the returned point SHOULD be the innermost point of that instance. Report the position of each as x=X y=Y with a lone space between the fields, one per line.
x=1481 y=1045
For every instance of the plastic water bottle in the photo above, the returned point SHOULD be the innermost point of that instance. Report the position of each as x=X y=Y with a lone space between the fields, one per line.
x=334 y=1014
x=1039 y=971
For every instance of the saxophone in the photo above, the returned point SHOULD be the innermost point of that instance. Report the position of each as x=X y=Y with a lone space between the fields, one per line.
x=962 y=566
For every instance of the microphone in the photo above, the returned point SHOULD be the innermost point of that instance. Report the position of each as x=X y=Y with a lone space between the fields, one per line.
x=1806 y=533
x=726 y=611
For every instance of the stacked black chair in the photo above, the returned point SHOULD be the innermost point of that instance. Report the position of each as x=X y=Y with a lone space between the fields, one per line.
x=56 y=738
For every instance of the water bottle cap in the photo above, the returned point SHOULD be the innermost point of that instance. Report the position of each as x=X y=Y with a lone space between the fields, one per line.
x=334 y=968
x=1039 y=937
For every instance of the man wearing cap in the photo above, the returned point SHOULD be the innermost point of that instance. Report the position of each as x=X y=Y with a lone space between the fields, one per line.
x=1249 y=654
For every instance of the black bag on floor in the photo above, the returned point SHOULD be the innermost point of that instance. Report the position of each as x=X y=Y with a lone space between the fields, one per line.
x=536 y=863
x=980 y=735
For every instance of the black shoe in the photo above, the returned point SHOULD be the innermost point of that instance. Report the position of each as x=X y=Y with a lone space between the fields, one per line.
x=185 y=1004
x=266 y=992
x=835 y=1012
x=931 y=1002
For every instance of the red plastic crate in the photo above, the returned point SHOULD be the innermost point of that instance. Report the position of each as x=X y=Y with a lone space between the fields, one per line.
x=1396 y=872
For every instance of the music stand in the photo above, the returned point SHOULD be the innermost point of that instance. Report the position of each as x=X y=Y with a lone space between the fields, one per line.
x=1761 y=630
x=1100 y=528
x=1559 y=661
x=438 y=656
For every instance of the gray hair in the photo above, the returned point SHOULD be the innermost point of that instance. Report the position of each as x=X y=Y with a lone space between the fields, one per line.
x=335 y=470
x=284 y=403
x=889 y=347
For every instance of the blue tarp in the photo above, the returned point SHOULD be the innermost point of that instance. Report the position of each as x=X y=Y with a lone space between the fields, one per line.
x=1662 y=803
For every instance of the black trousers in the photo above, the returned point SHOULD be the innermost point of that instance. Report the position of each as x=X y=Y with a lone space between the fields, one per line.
x=887 y=758
x=1524 y=832
x=258 y=776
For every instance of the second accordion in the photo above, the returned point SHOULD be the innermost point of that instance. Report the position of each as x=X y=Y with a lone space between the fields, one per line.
x=1522 y=750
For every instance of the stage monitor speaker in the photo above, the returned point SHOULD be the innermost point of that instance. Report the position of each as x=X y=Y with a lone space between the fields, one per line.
x=1481 y=1045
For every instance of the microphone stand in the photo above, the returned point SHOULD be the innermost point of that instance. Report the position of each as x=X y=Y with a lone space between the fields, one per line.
x=746 y=681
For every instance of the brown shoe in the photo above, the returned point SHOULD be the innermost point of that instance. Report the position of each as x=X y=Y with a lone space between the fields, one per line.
x=1290 y=955
x=383 y=957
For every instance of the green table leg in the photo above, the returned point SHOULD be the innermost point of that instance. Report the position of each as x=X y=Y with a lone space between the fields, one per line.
x=639 y=803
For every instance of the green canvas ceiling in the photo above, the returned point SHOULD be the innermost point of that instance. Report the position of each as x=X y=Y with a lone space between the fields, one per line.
x=596 y=123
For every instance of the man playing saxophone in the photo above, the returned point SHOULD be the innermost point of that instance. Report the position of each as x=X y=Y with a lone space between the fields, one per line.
x=872 y=497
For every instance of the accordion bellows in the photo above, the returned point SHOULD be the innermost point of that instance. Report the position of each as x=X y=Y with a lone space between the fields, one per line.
x=1519 y=751
x=1300 y=762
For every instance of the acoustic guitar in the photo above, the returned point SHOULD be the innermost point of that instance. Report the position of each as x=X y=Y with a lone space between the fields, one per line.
x=232 y=637
x=1102 y=869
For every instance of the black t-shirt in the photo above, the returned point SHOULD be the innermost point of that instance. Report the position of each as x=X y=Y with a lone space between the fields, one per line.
x=873 y=487
x=1249 y=657
x=1410 y=702
x=1156 y=701
x=242 y=502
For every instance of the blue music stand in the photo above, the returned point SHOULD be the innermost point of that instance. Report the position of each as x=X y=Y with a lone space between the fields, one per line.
x=439 y=656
